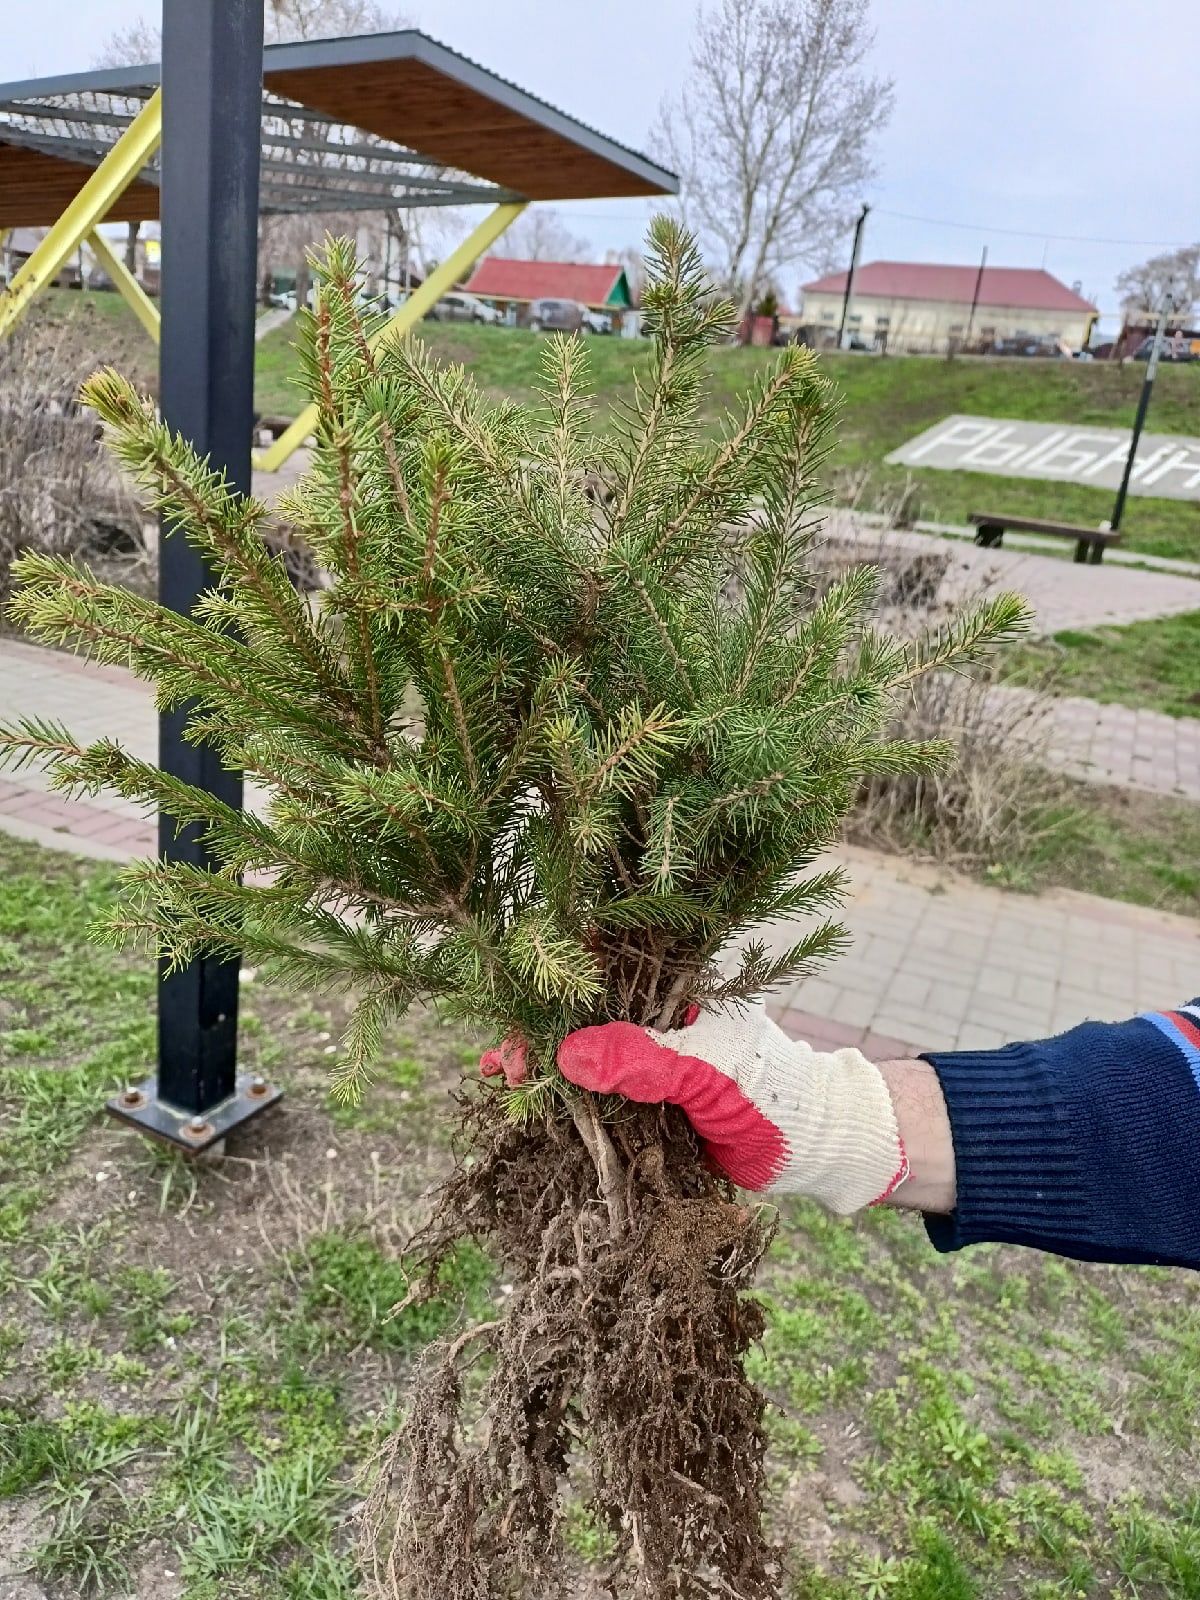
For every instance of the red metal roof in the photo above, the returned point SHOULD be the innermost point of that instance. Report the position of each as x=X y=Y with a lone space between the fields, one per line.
x=1020 y=288
x=501 y=278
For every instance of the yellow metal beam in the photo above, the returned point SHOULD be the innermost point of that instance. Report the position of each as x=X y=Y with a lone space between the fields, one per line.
x=414 y=308
x=90 y=206
x=127 y=286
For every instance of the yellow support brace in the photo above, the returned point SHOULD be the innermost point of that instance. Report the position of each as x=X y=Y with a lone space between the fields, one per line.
x=90 y=206
x=414 y=308
x=127 y=286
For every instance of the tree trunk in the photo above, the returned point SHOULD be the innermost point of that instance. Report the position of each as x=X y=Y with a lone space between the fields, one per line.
x=131 y=242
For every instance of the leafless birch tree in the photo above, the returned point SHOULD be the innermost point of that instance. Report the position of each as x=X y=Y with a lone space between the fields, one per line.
x=1171 y=279
x=772 y=135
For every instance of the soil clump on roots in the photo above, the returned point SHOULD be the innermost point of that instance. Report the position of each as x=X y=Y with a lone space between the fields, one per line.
x=618 y=1361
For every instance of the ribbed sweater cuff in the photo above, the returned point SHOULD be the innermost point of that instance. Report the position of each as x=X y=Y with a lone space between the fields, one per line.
x=1087 y=1144
x=1024 y=1163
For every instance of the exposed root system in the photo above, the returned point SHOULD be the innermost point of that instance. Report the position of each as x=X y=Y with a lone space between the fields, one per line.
x=618 y=1361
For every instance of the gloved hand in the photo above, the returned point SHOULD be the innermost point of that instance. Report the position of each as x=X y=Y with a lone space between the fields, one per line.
x=773 y=1113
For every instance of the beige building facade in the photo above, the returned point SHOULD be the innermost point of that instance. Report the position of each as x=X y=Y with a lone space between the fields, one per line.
x=911 y=306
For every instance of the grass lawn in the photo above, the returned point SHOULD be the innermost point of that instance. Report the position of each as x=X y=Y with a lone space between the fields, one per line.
x=194 y=1366
x=886 y=402
x=1154 y=665
x=1116 y=843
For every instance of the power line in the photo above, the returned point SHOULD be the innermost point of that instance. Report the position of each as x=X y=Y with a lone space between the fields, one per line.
x=1027 y=233
x=932 y=222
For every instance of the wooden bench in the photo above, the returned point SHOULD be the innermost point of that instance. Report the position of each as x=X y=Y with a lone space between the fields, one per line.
x=1090 y=543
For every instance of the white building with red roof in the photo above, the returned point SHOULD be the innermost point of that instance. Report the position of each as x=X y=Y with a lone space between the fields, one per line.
x=917 y=305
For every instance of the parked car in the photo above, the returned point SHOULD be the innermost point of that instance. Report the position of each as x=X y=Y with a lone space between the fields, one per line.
x=596 y=321
x=554 y=316
x=1175 y=347
x=1023 y=346
x=459 y=307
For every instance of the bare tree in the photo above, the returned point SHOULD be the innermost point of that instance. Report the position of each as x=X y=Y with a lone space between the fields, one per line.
x=1171 y=280
x=772 y=135
x=282 y=238
x=127 y=47
x=141 y=40
x=542 y=235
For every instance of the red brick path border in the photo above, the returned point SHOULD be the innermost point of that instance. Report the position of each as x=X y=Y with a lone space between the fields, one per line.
x=58 y=814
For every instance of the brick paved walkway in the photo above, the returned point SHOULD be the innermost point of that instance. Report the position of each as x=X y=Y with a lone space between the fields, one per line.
x=1143 y=750
x=936 y=960
x=1062 y=594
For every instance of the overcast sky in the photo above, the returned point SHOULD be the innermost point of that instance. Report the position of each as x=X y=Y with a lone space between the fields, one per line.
x=1057 y=131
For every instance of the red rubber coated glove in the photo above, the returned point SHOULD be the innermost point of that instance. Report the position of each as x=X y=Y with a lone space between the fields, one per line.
x=773 y=1113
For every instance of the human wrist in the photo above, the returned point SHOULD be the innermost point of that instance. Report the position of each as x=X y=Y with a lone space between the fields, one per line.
x=924 y=1125
x=1087 y=1143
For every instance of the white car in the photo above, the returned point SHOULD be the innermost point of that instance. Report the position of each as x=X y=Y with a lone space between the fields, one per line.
x=459 y=307
x=596 y=321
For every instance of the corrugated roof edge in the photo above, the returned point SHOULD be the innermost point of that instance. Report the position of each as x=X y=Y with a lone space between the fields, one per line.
x=353 y=48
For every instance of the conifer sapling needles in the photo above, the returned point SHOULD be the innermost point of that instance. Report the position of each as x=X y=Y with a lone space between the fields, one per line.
x=568 y=722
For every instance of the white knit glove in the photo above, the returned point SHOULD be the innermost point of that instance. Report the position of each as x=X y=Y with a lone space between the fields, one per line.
x=773 y=1113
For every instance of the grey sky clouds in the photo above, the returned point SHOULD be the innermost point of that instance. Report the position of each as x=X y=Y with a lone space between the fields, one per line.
x=1059 y=117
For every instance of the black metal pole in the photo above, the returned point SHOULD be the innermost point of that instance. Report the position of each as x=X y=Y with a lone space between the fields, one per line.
x=975 y=296
x=858 y=228
x=1139 y=419
x=212 y=110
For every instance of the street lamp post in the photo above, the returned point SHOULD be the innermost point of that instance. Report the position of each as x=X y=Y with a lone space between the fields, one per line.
x=858 y=228
x=1139 y=419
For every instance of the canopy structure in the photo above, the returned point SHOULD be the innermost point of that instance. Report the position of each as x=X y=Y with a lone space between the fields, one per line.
x=365 y=123
x=442 y=131
x=369 y=123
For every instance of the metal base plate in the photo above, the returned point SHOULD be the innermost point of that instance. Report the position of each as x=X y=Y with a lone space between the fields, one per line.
x=193 y=1132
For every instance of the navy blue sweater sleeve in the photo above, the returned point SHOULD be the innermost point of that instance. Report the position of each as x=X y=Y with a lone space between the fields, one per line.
x=1087 y=1144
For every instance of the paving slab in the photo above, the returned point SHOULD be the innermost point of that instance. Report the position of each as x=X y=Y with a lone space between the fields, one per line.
x=1132 y=749
x=977 y=966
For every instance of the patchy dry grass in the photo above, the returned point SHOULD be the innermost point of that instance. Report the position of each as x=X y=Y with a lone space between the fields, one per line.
x=1117 y=843
x=195 y=1361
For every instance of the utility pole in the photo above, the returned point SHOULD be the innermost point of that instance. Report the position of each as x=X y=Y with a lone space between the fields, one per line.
x=975 y=296
x=1139 y=419
x=858 y=228
x=211 y=142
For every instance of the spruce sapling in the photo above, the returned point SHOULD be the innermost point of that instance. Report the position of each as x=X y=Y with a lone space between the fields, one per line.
x=566 y=725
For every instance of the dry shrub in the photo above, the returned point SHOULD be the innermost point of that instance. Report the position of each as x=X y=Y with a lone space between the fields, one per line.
x=898 y=503
x=992 y=804
x=59 y=490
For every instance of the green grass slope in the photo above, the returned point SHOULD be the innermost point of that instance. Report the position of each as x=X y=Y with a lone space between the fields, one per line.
x=886 y=402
